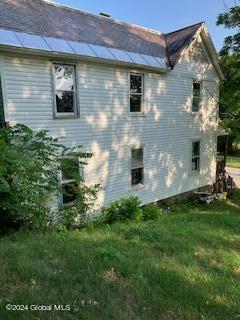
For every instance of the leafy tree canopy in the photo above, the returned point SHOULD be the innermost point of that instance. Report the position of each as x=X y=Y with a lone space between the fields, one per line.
x=230 y=61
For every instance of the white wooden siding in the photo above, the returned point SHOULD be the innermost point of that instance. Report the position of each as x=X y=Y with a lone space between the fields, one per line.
x=105 y=127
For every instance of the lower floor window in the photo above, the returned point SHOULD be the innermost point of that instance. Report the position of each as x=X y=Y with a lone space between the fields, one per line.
x=69 y=192
x=137 y=173
x=70 y=174
x=196 y=156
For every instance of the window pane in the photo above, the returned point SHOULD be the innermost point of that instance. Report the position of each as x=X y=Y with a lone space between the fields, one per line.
x=196 y=86
x=195 y=105
x=69 y=191
x=196 y=96
x=137 y=176
x=195 y=164
x=135 y=103
x=70 y=168
x=195 y=149
x=64 y=78
x=137 y=158
x=135 y=83
x=65 y=101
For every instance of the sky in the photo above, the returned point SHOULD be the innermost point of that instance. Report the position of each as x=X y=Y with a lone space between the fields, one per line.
x=161 y=15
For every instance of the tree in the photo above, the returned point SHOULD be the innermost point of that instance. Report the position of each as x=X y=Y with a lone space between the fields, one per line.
x=230 y=61
x=231 y=19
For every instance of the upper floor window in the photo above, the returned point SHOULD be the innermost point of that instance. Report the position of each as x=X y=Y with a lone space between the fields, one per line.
x=65 y=90
x=196 y=96
x=137 y=166
x=195 y=156
x=136 y=92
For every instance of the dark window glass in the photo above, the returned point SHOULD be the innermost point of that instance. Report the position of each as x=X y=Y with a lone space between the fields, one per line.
x=65 y=101
x=136 y=92
x=137 y=176
x=196 y=156
x=196 y=96
x=195 y=148
x=195 y=164
x=65 y=88
x=137 y=166
x=135 y=103
x=69 y=192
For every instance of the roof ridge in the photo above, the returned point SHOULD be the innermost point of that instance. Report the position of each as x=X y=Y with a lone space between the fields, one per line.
x=57 y=4
x=193 y=25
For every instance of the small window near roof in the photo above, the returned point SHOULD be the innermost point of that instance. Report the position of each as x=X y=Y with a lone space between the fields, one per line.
x=196 y=96
x=137 y=166
x=195 y=156
x=136 y=92
x=65 y=90
x=70 y=175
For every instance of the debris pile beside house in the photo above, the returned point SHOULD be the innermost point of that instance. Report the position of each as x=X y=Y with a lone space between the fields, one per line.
x=222 y=188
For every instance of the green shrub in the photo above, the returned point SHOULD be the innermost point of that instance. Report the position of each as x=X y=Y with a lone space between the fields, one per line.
x=122 y=210
x=151 y=212
x=29 y=177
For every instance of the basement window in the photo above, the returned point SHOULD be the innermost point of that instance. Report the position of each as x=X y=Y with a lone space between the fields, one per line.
x=136 y=92
x=70 y=173
x=137 y=167
x=65 y=90
x=195 y=156
x=196 y=96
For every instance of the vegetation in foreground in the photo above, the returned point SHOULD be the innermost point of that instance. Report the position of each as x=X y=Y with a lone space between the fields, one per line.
x=233 y=162
x=185 y=265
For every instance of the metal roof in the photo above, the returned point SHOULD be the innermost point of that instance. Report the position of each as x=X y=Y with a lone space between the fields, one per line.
x=55 y=45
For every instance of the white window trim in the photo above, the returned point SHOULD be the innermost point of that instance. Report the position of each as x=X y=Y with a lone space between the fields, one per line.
x=142 y=112
x=140 y=185
x=200 y=100
x=195 y=172
x=60 y=115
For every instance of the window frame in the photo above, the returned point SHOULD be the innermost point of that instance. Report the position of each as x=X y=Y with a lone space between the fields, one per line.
x=200 y=95
x=199 y=157
x=139 y=185
x=142 y=94
x=75 y=113
x=68 y=181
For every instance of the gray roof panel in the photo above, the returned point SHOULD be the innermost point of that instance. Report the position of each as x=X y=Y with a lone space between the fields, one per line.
x=58 y=45
x=121 y=55
x=32 y=41
x=137 y=58
x=9 y=38
x=102 y=52
x=82 y=49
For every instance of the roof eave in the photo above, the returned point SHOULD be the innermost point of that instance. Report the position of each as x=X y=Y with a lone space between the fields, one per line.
x=208 y=43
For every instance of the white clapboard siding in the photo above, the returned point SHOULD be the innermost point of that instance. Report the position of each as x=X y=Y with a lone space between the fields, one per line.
x=104 y=127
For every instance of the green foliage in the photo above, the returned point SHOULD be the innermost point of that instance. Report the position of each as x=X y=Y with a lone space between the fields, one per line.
x=122 y=210
x=151 y=212
x=230 y=61
x=76 y=214
x=230 y=95
x=29 y=176
x=181 y=267
x=231 y=19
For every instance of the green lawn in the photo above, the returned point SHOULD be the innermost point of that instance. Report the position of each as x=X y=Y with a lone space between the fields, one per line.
x=184 y=266
x=233 y=162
